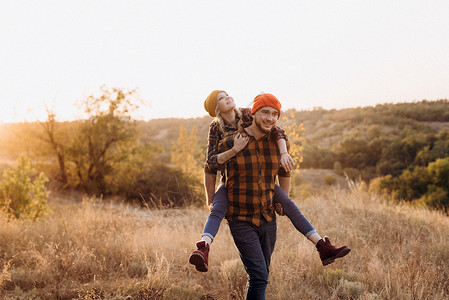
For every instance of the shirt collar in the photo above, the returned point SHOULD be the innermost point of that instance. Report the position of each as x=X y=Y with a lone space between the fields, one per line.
x=245 y=133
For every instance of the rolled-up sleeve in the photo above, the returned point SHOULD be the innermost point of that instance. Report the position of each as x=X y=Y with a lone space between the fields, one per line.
x=277 y=133
x=212 y=166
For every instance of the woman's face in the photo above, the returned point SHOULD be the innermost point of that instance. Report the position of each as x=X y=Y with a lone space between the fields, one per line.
x=224 y=102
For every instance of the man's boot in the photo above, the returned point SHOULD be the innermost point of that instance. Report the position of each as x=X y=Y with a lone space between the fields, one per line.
x=199 y=258
x=328 y=252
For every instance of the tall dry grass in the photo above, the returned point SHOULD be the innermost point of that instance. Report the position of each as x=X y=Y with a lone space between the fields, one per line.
x=93 y=250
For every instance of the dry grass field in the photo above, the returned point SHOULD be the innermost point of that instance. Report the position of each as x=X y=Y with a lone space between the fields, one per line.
x=95 y=250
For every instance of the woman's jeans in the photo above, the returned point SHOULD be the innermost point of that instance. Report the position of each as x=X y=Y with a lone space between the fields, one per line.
x=255 y=244
x=220 y=207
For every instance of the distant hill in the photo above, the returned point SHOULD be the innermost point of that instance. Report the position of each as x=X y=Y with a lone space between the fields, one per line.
x=322 y=126
x=357 y=138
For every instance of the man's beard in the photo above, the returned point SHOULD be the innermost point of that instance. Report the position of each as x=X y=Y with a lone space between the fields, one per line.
x=259 y=126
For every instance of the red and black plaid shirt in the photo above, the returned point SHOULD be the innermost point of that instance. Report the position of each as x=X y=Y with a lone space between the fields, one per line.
x=250 y=178
x=216 y=134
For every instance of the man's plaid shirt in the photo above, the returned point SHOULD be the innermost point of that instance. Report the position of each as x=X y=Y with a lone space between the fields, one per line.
x=251 y=175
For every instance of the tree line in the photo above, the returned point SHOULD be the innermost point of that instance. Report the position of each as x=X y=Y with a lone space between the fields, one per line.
x=400 y=149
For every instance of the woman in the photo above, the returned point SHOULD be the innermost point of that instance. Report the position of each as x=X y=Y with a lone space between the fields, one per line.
x=227 y=120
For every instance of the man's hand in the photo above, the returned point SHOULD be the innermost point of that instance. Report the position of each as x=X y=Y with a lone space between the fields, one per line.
x=278 y=209
x=287 y=162
x=240 y=142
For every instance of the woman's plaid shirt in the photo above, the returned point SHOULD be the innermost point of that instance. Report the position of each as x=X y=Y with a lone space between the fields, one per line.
x=251 y=175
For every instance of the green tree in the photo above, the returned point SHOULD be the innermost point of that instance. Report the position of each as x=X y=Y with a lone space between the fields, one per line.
x=383 y=185
x=392 y=159
x=185 y=152
x=295 y=134
x=439 y=171
x=413 y=184
x=108 y=126
x=436 y=197
x=354 y=152
x=424 y=157
x=19 y=195
x=52 y=136
x=376 y=145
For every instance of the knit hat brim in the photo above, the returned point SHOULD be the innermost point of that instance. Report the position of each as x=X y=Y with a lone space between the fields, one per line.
x=210 y=104
x=264 y=100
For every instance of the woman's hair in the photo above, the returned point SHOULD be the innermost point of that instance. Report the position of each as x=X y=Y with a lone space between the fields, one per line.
x=220 y=121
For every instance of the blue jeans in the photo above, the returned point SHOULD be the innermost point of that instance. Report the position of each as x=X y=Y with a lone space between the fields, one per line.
x=220 y=207
x=255 y=245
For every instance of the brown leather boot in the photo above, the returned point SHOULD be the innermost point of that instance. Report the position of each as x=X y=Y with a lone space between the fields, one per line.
x=328 y=252
x=200 y=257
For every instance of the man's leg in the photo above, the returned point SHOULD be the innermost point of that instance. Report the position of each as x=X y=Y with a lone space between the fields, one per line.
x=268 y=240
x=253 y=248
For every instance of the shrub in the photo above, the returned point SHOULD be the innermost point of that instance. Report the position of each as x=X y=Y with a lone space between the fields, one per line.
x=436 y=198
x=305 y=190
x=19 y=196
x=352 y=173
x=338 y=168
x=165 y=186
x=330 y=179
x=234 y=277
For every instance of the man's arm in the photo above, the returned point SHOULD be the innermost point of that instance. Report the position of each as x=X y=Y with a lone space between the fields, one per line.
x=284 y=183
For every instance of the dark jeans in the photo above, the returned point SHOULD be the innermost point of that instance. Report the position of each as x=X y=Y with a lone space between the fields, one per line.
x=220 y=207
x=255 y=245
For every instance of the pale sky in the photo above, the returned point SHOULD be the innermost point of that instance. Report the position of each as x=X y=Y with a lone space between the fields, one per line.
x=333 y=54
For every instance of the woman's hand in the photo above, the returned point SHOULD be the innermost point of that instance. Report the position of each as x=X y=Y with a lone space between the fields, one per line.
x=278 y=209
x=240 y=142
x=287 y=162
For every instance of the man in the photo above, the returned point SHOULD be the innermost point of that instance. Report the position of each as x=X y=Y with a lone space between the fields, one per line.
x=250 y=186
x=251 y=175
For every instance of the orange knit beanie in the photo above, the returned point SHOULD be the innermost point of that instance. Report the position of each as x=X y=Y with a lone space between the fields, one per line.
x=210 y=104
x=263 y=100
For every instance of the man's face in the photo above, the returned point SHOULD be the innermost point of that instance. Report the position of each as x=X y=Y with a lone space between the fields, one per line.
x=225 y=102
x=266 y=118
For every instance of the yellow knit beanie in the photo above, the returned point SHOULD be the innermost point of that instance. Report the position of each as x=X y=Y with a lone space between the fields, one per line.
x=210 y=103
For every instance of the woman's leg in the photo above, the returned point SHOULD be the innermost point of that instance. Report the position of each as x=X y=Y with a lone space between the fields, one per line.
x=200 y=257
x=328 y=252
x=294 y=214
x=219 y=209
